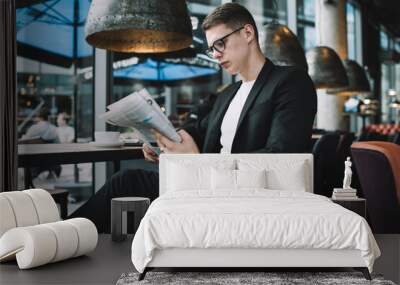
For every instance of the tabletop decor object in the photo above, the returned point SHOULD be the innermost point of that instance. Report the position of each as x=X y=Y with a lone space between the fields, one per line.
x=347 y=192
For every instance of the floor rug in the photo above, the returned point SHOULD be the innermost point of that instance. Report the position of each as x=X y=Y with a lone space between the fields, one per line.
x=243 y=278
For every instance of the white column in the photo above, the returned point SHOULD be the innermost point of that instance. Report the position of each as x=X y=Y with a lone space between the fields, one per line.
x=331 y=30
x=331 y=25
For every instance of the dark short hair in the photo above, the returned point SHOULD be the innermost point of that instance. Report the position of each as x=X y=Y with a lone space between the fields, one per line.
x=232 y=15
x=44 y=113
x=66 y=117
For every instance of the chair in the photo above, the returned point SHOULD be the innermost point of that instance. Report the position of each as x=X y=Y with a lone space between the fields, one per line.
x=396 y=138
x=324 y=152
x=32 y=233
x=378 y=167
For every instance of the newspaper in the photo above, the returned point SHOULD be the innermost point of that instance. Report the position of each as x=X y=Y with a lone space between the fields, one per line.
x=142 y=113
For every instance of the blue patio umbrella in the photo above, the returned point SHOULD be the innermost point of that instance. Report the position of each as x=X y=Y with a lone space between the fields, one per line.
x=152 y=70
x=52 y=31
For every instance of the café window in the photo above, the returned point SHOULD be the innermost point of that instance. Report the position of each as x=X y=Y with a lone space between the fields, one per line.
x=264 y=11
x=351 y=30
x=397 y=71
x=384 y=40
x=306 y=23
x=389 y=93
x=54 y=82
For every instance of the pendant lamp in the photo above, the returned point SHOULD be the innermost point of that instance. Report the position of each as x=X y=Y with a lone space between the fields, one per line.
x=150 y=26
x=326 y=68
x=282 y=47
x=358 y=81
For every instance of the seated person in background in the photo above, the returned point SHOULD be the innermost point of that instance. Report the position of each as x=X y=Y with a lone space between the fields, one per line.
x=42 y=132
x=42 y=129
x=200 y=111
x=271 y=110
x=66 y=133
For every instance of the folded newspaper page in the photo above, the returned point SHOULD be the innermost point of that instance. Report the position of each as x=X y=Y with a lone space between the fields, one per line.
x=142 y=113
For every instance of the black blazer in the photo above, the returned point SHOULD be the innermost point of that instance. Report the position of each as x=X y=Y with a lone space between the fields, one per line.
x=277 y=116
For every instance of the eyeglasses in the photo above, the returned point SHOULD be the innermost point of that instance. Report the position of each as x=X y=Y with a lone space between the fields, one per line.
x=219 y=45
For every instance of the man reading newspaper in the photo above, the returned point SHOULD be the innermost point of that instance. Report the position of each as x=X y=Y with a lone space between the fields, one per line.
x=271 y=110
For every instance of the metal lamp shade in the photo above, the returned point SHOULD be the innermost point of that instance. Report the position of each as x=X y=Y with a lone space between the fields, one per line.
x=282 y=47
x=358 y=82
x=150 y=26
x=326 y=68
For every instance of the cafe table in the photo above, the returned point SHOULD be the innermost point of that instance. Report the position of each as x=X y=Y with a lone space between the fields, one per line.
x=31 y=155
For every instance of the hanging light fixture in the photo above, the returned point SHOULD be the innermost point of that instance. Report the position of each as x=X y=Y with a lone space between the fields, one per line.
x=326 y=68
x=150 y=26
x=358 y=81
x=282 y=47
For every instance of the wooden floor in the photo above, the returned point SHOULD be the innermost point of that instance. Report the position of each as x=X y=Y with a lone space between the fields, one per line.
x=103 y=266
x=110 y=259
x=389 y=263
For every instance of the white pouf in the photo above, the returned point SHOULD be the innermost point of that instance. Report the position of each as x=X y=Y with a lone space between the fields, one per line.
x=31 y=231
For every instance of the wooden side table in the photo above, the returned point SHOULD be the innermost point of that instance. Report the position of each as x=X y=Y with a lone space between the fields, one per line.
x=119 y=209
x=357 y=205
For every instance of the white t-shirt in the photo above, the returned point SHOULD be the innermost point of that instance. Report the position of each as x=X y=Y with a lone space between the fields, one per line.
x=231 y=118
x=43 y=130
x=66 y=134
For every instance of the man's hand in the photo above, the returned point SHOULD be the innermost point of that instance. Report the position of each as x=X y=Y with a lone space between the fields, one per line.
x=149 y=154
x=188 y=145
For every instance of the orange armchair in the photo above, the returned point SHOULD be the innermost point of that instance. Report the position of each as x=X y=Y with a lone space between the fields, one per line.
x=378 y=167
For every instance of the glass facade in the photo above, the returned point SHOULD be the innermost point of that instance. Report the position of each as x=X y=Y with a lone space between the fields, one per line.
x=306 y=23
x=397 y=79
x=384 y=40
x=385 y=86
x=389 y=79
x=351 y=30
x=53 y=60
x=264 y=11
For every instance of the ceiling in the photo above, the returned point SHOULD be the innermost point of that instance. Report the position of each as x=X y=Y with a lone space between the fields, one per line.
x=386 y=12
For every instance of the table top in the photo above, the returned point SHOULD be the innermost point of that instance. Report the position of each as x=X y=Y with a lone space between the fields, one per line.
x=57 y=191
x=42 y=154
x=29 y=149
x=130 y=199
